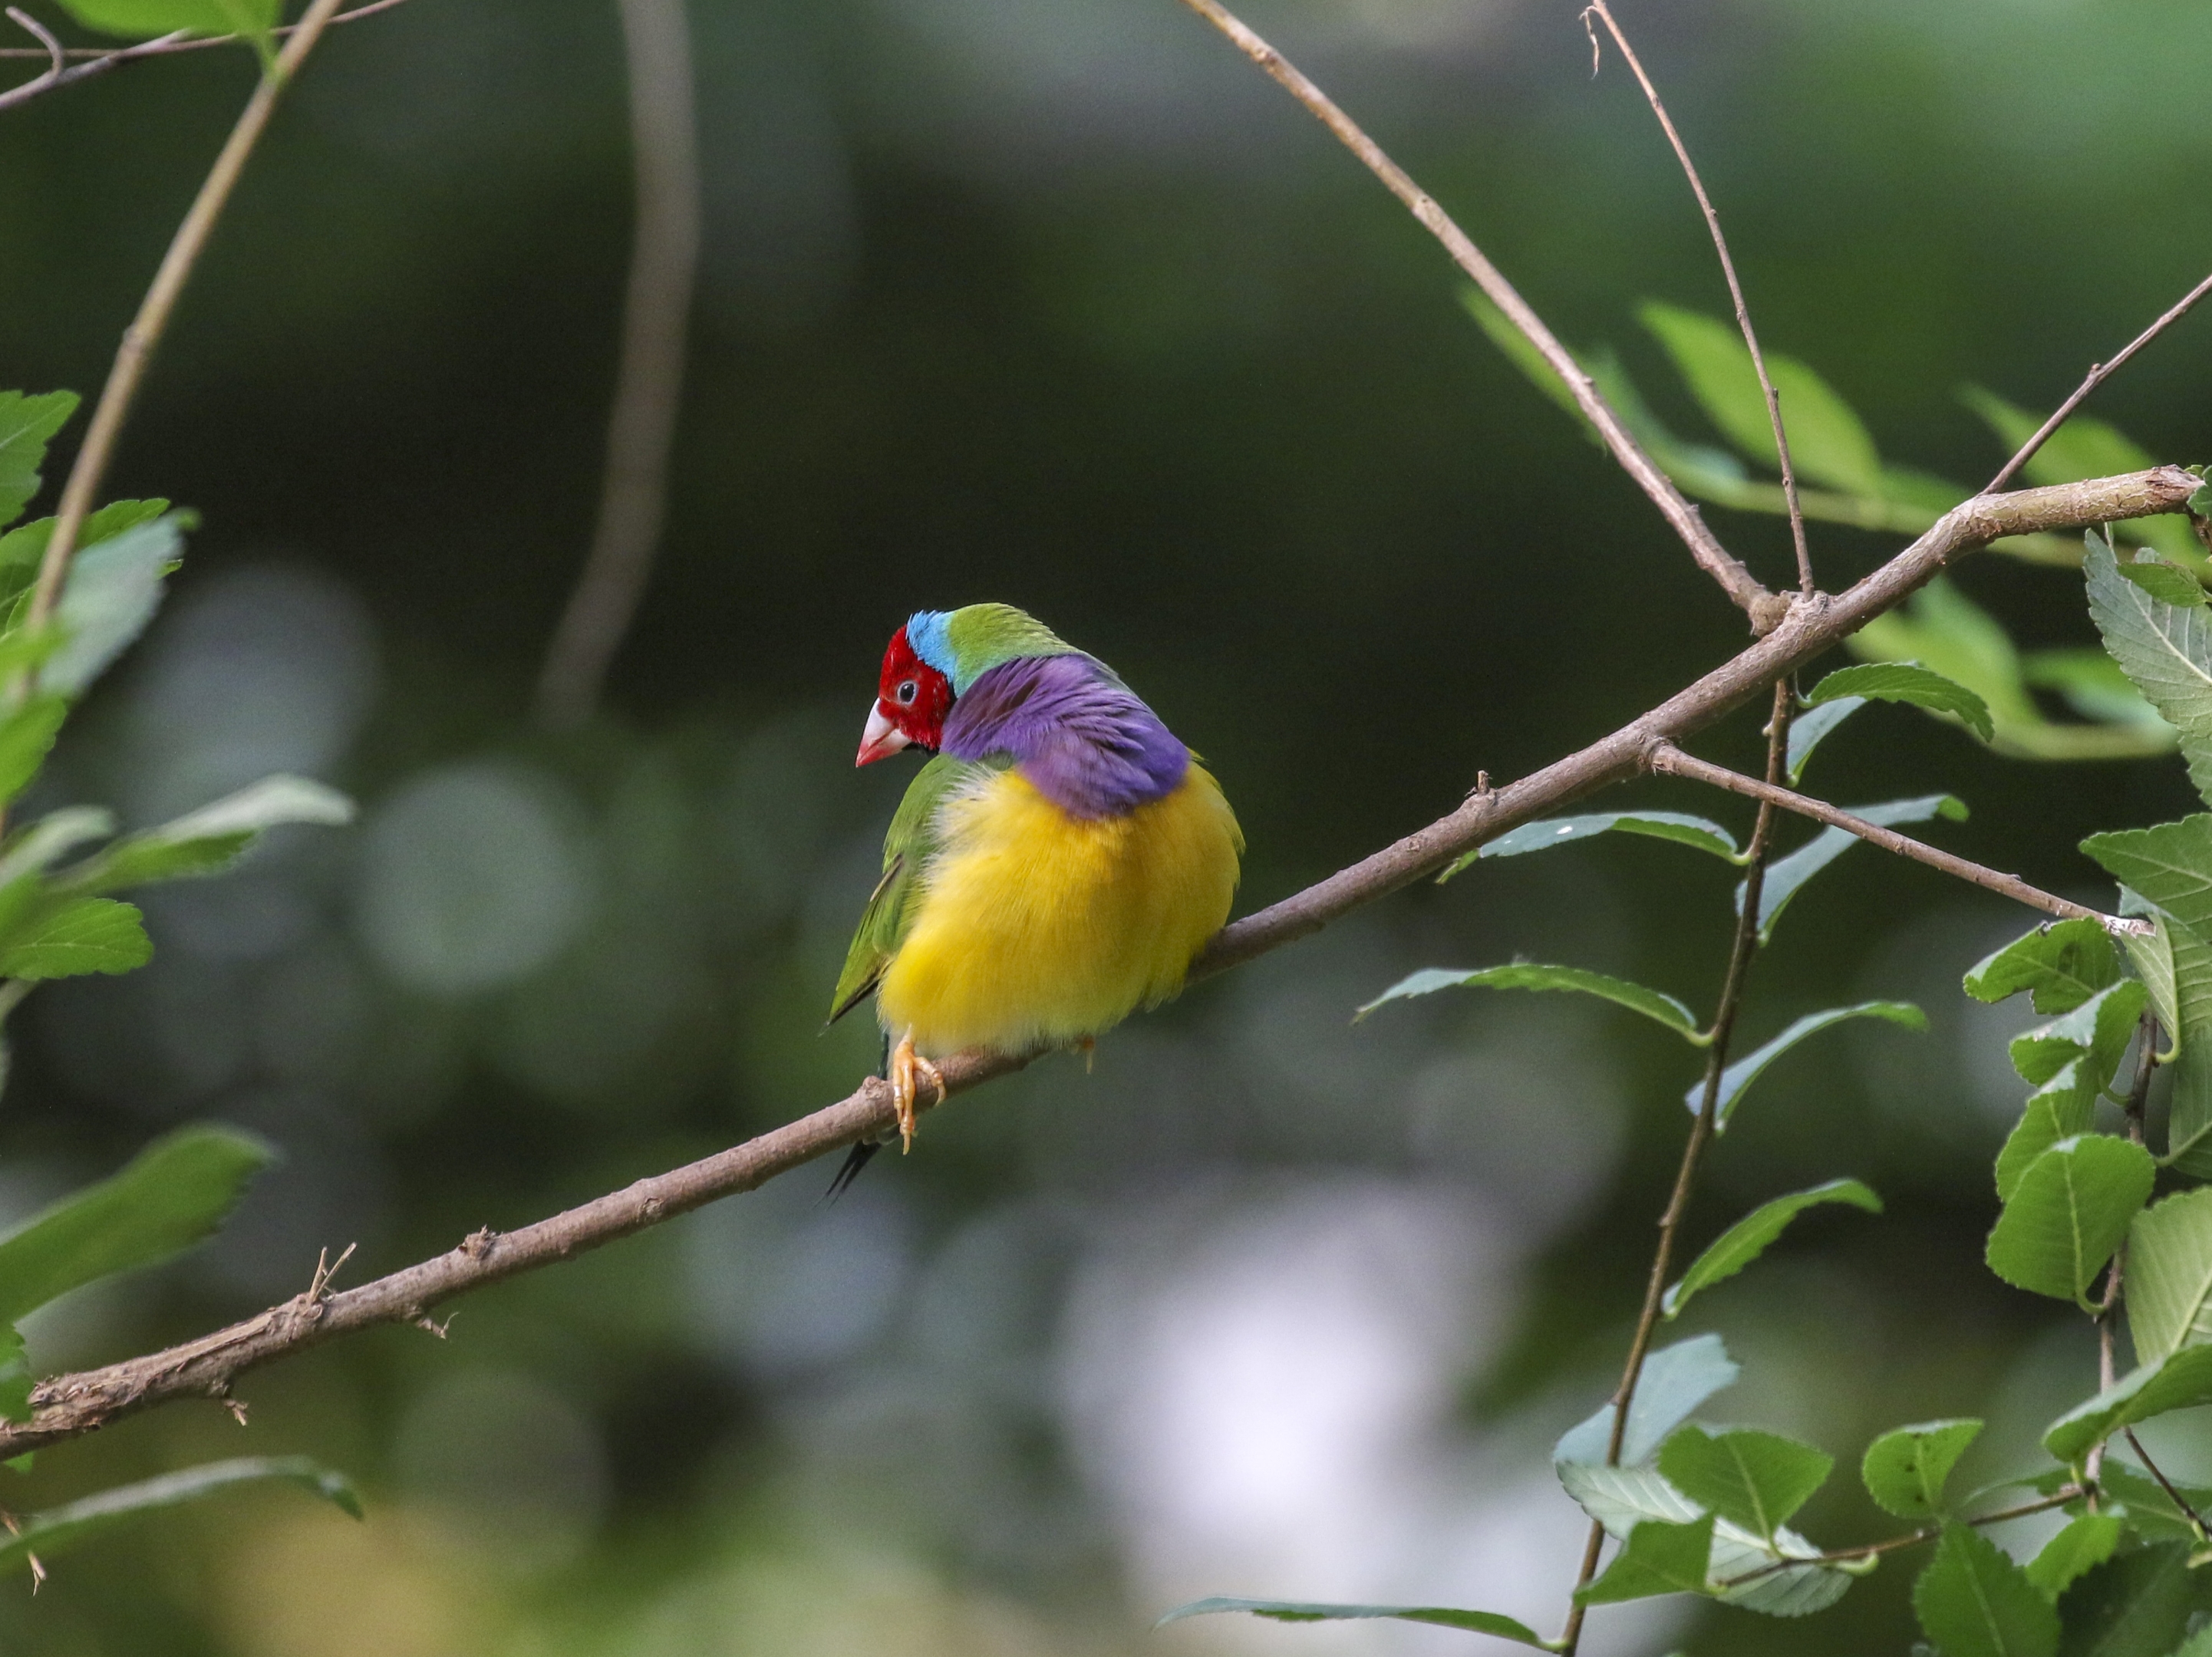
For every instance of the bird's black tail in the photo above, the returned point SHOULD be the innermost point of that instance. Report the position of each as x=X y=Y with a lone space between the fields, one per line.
x=860 y=1156
x=855 y=1159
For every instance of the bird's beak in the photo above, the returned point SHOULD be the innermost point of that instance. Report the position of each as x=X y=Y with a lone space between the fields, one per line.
x=881 y=740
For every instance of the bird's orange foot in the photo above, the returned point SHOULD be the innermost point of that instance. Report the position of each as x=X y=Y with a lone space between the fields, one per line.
x=1088 y=1046
x=908 y=1068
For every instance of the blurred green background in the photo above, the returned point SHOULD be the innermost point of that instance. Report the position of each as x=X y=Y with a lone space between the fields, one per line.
x=1064 y=305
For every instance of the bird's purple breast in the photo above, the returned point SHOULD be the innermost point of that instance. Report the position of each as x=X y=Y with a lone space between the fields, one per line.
x=1085 y=742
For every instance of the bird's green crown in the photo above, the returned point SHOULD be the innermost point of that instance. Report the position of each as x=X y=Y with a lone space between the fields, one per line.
x=967 y=643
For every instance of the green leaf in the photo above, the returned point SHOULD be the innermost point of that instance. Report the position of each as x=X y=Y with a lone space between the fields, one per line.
x=2151 y=955
x=2069 y=1212
x=210 y=838
x=2083 y=447
x=173 y=1194
x=26 y=424
x=2086 y=1543
x=2169 y=1294
x=1787 y=875
x=1684 y=830
x=1748 y=1239
x=1293 y=1610
x=2061 y=963
x=1741 y=1570
x=1657 y=1558
x=2169 y=866
x=2063 y=1107
x=2164 y=649
x=48 y=1534
x=14 y=1375
x=1907 y=681
x=1523 y=354
x=1974 y=1602
x=26 y=736
x=1827 y=442
x=2181 y=1381
x=1736 y=1079
x=2169 y=583
x=36 y=846
x=1676 y=1380
x=1753 y=1478
x=2145 y=1508
x=1529 y=975
x=2136 y=1605
x=88 y=934
x=22 y=547
x=112 y=591
x=141 y=20
x=109 y=594
x=2094 y=686
x=1906 y=1468
x=2097 y=1032
x=1806 y=730
x=1942 y=628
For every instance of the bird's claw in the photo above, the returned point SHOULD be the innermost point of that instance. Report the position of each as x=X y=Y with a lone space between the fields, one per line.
x=907 y=1069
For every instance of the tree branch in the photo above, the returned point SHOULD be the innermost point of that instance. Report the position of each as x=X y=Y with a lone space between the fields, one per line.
x=1812 y=627
x=94 y=61
x=2098 y=373
x=1735 y=288
x=1764 y=608
x=146 y=329
x=1671 y=760
x=69 y=1406
x=649 y=381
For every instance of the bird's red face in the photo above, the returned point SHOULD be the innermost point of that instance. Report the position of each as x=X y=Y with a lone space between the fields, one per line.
x=912 y=700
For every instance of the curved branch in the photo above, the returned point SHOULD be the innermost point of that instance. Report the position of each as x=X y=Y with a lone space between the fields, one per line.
x=649 y=381
x=1764 y=608
x=98 y=60
x=1736 y=288
x=146 y=329
x=70 y=1407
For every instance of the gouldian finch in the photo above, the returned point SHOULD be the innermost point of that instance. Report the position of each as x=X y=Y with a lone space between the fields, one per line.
x=1054 y=866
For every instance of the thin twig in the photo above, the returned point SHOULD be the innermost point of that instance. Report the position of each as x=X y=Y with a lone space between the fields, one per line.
x=649 y=382
x=1926 y=1533
x=1671 y=760
x=2098 y=373
x=98 y=60
x=69 y=1406
x=99 y=65
x=2116 y=1271
x=1744 y=946
x=1764 y=608
x=146 y=329
x=57 y=57
x=2165 y=1484
x=1735 y=286
x=187 y=41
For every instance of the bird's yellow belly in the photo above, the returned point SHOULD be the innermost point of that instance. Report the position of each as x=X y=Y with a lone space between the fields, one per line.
x=1036 y=928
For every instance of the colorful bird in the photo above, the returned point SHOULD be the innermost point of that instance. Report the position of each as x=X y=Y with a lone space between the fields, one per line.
x=1054 y=866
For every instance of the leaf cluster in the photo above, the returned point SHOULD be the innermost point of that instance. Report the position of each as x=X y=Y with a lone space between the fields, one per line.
x=60 y=918
x=1940 y=629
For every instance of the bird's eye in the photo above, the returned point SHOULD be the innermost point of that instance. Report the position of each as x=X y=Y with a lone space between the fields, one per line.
x=906 y=693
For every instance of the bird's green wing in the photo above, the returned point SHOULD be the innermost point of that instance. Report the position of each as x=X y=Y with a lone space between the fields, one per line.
x=891 y=910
